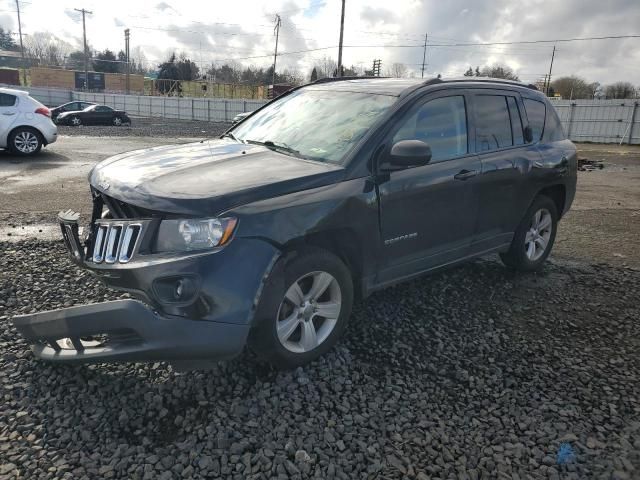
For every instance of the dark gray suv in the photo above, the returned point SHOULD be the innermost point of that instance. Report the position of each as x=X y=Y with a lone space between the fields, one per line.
x=265 y=236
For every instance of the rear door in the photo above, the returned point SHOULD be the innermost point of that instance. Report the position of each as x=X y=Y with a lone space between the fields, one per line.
x=428 y=213
x=8 y=114
x=103 y=115
x=506 y=160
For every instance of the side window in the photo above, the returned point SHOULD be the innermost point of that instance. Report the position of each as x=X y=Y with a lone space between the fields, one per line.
x=493 y=125
x=553 y=131
x=7 y=100
x=103 y=109
x=516 y=121
x=536 y=112
x=442 y=123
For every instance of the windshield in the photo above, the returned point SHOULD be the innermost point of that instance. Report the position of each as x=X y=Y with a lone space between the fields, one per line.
x=317 y=124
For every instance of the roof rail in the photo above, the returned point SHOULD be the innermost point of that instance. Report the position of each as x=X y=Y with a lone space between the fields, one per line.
x=489 y=80
x=339 y=79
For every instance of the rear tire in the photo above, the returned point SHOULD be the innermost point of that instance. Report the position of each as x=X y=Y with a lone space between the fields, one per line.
x=534 y=237
x=25 y=141
x=75 y=121
x=303 y=309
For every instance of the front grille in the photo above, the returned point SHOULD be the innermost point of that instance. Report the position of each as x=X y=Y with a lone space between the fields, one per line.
x=115 y=240
x=105 y=206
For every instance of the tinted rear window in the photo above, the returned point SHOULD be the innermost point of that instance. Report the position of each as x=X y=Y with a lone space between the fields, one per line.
x=493 y=124
x=536 y=113
x=7 y=100
x=553 y=131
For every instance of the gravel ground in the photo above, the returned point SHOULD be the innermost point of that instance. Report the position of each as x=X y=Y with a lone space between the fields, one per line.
x=150 y=127
x=475 y=372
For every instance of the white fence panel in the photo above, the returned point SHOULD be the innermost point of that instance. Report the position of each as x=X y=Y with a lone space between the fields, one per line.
x=601 y=121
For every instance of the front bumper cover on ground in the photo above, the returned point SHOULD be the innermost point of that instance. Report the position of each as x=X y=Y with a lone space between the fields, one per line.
x=126 y=330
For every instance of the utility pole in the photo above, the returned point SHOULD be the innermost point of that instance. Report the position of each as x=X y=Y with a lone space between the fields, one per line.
x=126 y=54
x=550 y=68
x=424 y=54
x=86 y=50
x=275 y=55
x=24 y=65
x=339 y=72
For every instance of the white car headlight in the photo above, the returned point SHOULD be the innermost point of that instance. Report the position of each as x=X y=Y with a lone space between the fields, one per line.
x=194 y=234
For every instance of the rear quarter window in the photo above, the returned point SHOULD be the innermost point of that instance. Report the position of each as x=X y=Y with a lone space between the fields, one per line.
x=553 y=131
x=536 y=113
x=7 y=100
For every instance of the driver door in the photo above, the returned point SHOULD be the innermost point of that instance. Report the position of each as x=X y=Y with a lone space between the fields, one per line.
x=428 y=213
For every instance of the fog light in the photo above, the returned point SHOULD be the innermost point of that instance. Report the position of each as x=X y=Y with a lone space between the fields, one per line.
x=176 y=289
x=179 y=290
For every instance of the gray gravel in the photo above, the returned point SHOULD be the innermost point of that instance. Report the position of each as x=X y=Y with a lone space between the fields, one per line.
x=474 y=373
x=150 y=127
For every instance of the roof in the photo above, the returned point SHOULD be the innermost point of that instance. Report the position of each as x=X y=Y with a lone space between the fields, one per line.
x=13 y=91
x=398 y=86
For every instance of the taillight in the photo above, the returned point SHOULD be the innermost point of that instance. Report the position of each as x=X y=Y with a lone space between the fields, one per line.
x=43 y=111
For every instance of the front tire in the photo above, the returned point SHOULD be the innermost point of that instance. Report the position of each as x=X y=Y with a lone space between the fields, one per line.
x=117 y=121
x=303 y=310
x=534 y=237
x=25 y=141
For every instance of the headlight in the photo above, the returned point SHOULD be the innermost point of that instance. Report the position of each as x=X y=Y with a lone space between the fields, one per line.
x=194 y=234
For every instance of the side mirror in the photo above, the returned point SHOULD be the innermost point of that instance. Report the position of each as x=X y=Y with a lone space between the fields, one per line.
x=528 y=134
x=409 y=153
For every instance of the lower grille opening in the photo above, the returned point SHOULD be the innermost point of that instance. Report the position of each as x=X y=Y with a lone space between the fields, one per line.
x=97 y=341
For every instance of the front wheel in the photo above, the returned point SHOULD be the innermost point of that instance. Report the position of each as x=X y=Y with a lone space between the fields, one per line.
x=25 y=141
x=117 y=121
x=533 y=240
x=303 y=310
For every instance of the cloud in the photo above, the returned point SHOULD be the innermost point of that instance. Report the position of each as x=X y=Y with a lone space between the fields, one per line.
x=6 y=22
x=162 y=6
x=118 y=23
x=373 y=15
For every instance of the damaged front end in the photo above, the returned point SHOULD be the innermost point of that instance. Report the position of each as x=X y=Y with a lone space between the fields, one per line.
x=186 y=306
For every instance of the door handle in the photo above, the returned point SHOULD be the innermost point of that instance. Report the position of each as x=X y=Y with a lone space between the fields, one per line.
x=465 y=174
x=8 y=113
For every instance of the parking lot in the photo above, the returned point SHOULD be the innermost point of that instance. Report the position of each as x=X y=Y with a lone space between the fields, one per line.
x=475 y=372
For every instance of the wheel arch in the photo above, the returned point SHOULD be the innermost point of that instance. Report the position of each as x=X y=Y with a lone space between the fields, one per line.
x=557 y=193
x=341 y=242
x=28 y=127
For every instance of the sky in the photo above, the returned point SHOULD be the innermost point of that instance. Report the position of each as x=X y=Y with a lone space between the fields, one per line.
x=243 y=31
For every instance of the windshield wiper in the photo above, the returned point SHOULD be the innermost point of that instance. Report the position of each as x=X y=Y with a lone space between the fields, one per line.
x=233 y=137
x=279 y=146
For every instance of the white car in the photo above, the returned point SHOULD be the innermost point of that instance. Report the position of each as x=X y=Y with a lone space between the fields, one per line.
x=25 y=124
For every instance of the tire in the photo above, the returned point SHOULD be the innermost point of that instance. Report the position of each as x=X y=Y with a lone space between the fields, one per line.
x=75 y=121
x=117 y=121
x=521 y=254
x=295 y=345
x=25 y=141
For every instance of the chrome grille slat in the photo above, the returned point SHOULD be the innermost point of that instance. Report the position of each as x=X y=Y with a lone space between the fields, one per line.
x=116 y=241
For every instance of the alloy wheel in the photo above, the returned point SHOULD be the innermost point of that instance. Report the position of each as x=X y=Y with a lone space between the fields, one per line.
x=538 y=235
x=76 y=121
x=26 y=142
x=117 y=121
x=309 y=312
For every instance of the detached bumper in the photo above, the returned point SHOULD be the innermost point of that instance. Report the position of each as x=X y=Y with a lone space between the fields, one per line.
x=127 y=330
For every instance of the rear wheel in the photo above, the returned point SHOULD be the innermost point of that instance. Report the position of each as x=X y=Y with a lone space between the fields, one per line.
x=533 y=240
x=75 y=121
x=303 y=309
x=25 y=141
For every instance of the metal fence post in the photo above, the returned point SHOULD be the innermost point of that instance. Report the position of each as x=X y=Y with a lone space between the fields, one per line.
x=571 y=108
x=208 y=110
x=192 y=110
x=244 y=105
x=225 y=110
x=632 y=122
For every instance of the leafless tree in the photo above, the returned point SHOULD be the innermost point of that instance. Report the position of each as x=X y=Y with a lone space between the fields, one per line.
x=620 y=90
x=398 y=70
x=45 y=48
